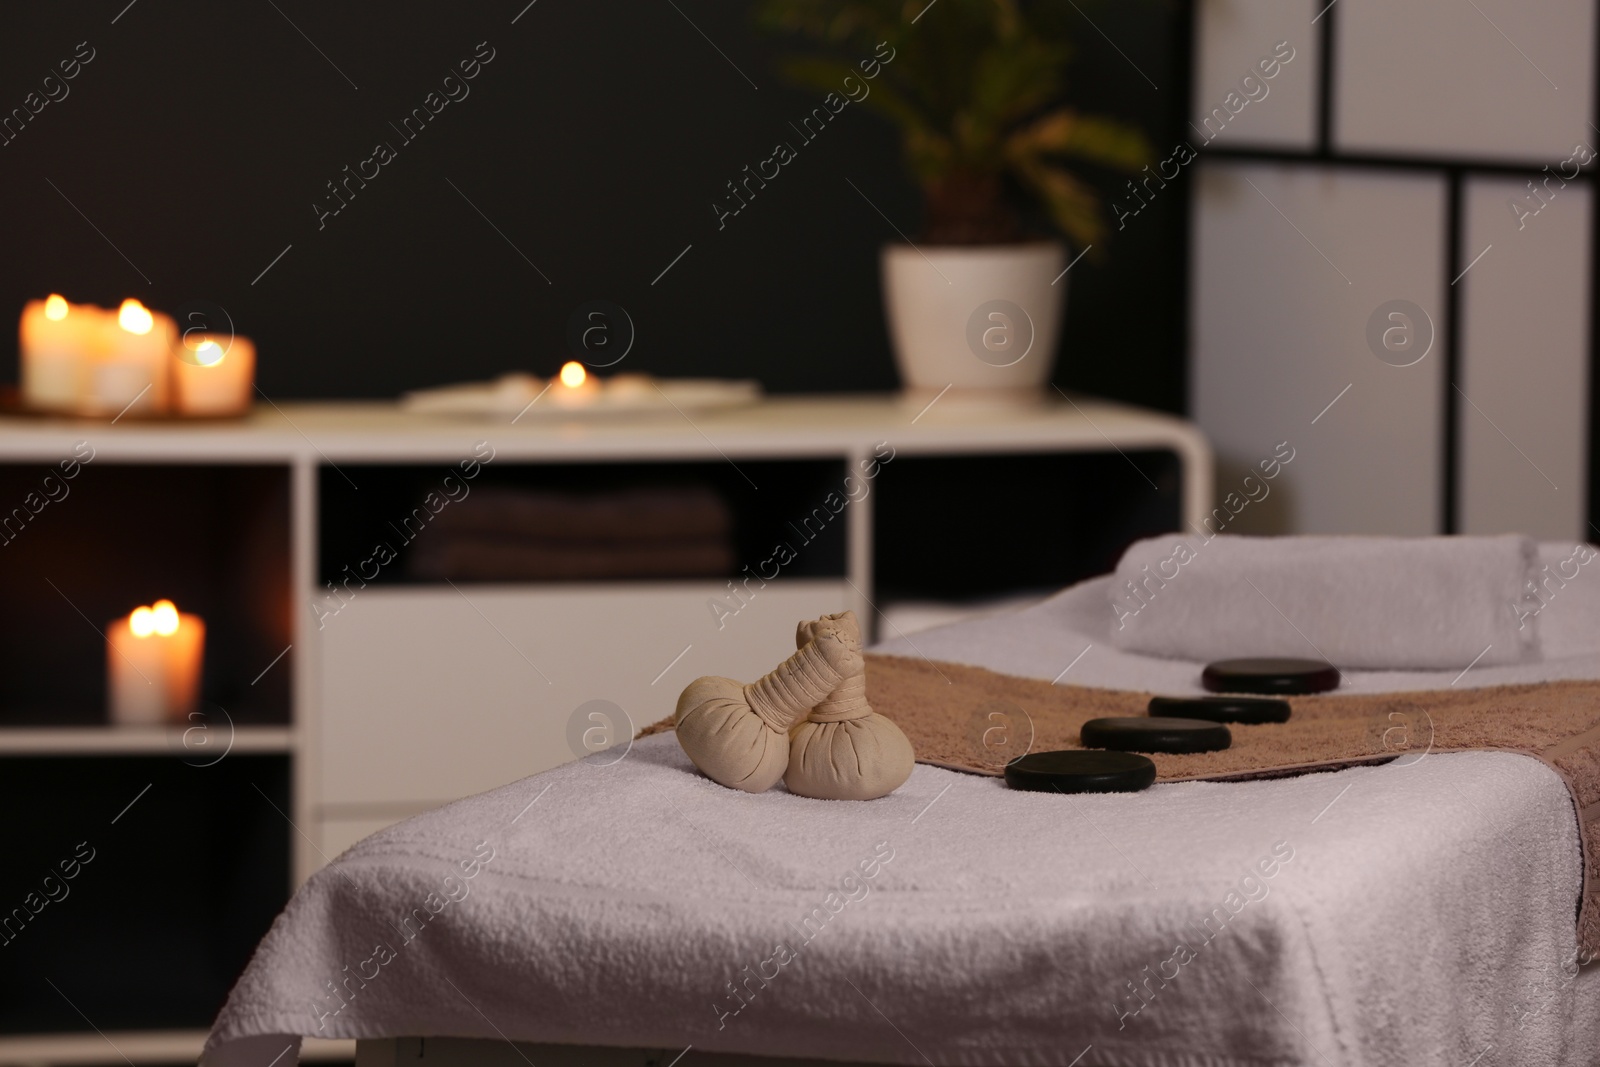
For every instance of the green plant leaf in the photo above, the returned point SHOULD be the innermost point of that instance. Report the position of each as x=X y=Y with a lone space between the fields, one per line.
x=1064 y=132
x=977 y=89
x=1073 y=206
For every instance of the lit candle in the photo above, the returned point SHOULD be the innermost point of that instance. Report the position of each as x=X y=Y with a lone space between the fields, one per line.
x=576 y=388
x=132 y=372
x=153 y=665
x=214 y=374
x=58 y=341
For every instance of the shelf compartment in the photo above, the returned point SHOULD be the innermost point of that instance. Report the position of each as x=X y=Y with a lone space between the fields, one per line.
x=354 y=521
x=189 y=867
x=213 y=538
x=966 y=528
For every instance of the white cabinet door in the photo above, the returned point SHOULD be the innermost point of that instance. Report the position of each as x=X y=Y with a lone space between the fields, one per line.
x=429 y=694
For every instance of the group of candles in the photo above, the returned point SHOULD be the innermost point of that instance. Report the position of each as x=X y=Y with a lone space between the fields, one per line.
x=84 y=360
x=153 y=658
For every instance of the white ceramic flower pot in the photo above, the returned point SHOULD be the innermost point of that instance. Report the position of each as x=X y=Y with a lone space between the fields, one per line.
x=979 y=318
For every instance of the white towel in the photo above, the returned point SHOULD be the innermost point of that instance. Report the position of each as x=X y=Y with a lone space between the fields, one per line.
x=1366 y=602
x=1008 y=928
x=615 y=905
x=1566 y=599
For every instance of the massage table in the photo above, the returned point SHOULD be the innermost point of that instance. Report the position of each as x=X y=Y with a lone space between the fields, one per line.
x=631 y=912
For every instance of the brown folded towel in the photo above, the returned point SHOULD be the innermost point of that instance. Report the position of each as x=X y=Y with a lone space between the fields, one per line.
x=503 y=559
x=673 y=514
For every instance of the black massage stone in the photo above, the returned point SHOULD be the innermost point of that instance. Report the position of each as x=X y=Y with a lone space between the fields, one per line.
x=1222 y=709
x=1274 y=677
x=1155 y=735
x=1076 y=771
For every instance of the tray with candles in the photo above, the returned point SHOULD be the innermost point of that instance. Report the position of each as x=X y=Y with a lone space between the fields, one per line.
x=575 y=390
x=83 y=361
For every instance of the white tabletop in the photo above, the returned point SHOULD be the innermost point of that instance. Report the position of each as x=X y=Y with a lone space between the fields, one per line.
x=781 y=426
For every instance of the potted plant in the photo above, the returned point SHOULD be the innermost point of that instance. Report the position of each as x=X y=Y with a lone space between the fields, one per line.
x=974 y=86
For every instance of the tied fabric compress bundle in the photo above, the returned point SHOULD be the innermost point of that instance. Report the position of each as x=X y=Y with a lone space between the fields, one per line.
x=807 y=722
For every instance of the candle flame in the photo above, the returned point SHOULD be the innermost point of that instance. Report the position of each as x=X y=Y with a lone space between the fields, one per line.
x=208 y=353
x=55 y=307
x=164 y=614
x=160 y=618
x=573 y=374
x=134 y=318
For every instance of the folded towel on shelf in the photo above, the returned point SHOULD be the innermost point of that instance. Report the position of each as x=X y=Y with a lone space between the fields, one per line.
x=507 y=534
x=505 y=559
x=1373 y=602
x=673 y=513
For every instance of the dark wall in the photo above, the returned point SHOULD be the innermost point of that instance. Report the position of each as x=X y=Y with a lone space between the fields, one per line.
x=191 y=149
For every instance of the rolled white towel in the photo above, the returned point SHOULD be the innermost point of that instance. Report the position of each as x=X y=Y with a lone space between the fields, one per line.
x=1566 y=599
x=1362 y=602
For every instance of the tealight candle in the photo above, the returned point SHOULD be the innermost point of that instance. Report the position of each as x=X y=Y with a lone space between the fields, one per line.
x=214 y=374
x=132 y=373
x=58 y=342
x=153 y=662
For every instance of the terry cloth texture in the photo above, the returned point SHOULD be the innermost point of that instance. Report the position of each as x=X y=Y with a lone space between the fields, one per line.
x=1425 y=916
x=972 y=719
x=1408 y=603
x=1366 y=918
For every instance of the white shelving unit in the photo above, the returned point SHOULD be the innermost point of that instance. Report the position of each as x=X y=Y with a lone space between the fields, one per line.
x=117 y=741
x=136 y=1046
x=416 y=694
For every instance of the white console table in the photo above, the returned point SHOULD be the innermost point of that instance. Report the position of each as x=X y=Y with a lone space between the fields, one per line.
x=413 y=694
